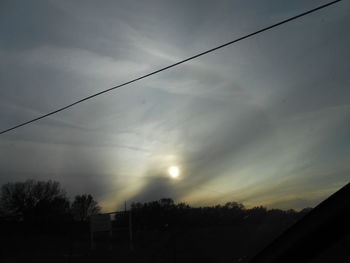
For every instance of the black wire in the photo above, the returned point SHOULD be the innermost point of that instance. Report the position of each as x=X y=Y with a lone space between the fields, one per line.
x=172 y=65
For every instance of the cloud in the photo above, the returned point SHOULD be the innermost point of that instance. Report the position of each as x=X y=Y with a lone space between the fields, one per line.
x=254 y=122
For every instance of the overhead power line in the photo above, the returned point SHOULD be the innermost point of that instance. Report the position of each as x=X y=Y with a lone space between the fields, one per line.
x=172 y=65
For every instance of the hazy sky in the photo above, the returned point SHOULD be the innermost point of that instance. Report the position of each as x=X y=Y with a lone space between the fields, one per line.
x=263 y=122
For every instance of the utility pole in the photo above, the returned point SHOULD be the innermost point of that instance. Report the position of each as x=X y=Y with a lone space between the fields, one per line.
x=130 y=230
x=174 y=248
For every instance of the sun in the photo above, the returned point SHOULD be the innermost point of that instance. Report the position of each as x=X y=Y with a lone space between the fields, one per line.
x=174 y=171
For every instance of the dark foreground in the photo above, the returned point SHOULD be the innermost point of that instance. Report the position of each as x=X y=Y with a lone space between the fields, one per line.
x=202 y=244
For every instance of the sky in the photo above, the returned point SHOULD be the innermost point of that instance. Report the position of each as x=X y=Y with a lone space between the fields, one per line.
x=262 y=122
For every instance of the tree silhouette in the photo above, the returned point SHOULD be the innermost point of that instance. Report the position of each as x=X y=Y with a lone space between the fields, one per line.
x=34 y=200
x=234 y=205
x=84 y=206
x=166 y=202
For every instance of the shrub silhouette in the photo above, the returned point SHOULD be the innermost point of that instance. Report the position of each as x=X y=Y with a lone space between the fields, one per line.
x=84 y=206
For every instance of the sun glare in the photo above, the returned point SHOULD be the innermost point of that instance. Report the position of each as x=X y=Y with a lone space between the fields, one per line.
x=174 y=171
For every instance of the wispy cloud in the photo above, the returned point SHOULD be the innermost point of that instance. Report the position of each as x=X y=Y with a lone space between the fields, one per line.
x=262 y=122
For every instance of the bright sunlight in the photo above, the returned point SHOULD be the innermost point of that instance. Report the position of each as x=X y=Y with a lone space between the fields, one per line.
x=174 y=171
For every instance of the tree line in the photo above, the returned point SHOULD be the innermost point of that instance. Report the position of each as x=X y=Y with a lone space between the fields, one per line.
x=47 y=201
x=165 y=213
x=43 y=201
